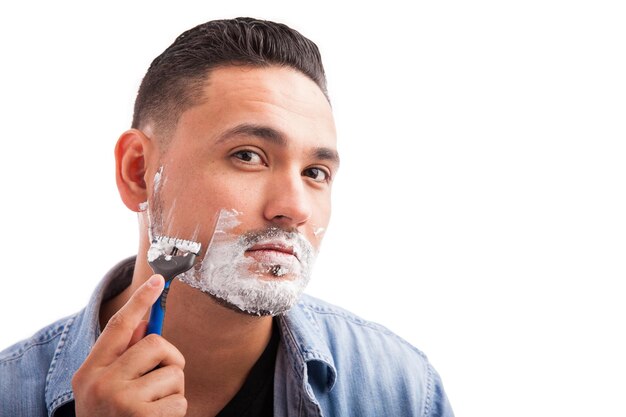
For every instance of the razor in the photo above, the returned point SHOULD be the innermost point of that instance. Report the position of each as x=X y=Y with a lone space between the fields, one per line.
x=169 y=257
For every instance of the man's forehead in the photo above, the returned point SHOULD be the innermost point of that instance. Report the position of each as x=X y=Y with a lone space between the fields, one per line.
x=272 y=83
x=273 y=96
x=270 y=103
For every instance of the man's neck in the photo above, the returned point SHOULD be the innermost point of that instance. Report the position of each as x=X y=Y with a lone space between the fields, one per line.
x=220 y=345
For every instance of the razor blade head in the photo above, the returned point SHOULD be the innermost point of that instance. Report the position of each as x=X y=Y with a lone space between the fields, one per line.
x=165 y=246
x=170 y=256
x=168 y=245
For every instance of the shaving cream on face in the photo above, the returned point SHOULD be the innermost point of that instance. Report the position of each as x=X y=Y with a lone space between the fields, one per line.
x=157 y=179
x=318 y=231
x=268 y=284
x=155 y=207
x=262 y=283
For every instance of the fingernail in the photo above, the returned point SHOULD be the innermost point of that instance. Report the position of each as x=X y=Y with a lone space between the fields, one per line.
x=154 y=281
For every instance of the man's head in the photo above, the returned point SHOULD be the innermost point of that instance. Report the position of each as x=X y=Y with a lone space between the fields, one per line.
x=251 y=137
x=175 y=80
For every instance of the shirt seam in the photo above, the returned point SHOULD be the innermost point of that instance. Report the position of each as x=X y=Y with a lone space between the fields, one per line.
x=63 y=399
x=31 y=343
x=429 y=391
x=55 y=357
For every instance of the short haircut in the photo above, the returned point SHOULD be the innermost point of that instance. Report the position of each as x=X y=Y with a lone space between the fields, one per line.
x=176 y=79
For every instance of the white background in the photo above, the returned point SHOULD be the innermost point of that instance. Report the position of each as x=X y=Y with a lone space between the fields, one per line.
x=479 y=211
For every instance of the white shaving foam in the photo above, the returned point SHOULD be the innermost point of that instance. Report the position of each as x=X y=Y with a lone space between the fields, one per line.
x=157 y=179
x=241 y=281
x=143 y=206
x=155 y=224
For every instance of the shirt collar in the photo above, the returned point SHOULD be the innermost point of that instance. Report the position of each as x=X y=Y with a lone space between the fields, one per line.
x=310 y=344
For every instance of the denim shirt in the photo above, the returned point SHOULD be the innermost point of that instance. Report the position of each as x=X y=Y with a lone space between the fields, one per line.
x=329 y=363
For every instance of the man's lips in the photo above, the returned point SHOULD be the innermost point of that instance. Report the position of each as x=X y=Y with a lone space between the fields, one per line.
x=273 y=249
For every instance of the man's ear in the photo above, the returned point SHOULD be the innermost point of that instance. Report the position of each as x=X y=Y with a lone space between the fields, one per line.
x=131 y=159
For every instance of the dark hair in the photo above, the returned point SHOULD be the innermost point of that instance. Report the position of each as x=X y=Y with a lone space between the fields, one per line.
x=176 y=78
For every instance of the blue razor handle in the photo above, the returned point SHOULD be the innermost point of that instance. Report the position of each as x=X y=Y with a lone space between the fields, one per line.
x=157 y=313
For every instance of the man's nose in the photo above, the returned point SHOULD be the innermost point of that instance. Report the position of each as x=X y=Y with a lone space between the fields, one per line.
x=288 y=202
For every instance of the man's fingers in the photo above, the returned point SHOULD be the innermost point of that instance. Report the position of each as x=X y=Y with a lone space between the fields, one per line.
x=150 y=352
x=173 y=405
x=160 y=383
x=120 y=329
x=119 y=376
x=139 y=332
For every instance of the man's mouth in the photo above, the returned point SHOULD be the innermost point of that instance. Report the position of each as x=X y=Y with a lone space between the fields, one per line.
x=273 y=252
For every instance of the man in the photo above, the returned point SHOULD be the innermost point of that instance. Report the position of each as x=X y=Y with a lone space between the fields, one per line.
x=233 y=146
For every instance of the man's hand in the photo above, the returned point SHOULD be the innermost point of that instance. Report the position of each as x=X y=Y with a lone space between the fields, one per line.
x=119 y=378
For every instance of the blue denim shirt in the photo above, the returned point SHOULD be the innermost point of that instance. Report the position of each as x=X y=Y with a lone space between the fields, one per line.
x=329 y=363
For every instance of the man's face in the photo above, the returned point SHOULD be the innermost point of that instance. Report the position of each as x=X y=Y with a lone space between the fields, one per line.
x=248 y=174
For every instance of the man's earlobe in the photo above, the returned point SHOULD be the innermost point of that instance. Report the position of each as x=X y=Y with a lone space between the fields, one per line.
x=131 y=157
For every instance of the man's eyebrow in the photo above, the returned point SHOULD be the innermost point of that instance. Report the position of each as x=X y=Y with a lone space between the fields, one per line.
x=274 y=136
x=327 y=154
x=262 y=132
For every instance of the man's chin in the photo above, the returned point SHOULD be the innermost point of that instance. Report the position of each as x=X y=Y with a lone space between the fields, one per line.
x=266 y=290
x=253 y=312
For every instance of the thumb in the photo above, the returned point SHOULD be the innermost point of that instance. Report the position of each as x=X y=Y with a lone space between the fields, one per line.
x=120 y=330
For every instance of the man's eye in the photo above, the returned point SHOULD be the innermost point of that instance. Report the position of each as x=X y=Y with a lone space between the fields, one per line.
x=248 y=157
x=317 y=174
